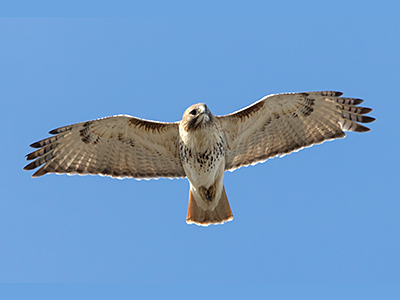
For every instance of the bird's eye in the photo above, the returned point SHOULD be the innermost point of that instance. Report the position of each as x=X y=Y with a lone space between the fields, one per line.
x=193 y=112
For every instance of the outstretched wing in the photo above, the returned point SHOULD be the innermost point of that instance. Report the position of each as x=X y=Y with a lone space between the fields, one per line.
x=118 y=146
x=281 y=123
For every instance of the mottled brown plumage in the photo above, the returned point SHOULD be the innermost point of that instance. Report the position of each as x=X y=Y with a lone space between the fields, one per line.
x=201 y=146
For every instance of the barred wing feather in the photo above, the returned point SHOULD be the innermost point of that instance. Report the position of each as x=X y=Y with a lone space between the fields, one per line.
x=117 y=146
x=282 y=123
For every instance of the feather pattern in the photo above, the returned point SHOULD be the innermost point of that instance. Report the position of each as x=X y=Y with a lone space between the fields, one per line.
x=282 y=123
x=118 y=146
x=201 y=146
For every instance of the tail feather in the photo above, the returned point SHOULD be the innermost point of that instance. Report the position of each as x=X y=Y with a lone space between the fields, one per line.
x=197 y=215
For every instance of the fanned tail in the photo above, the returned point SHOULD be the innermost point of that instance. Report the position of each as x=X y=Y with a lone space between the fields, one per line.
x=222 y=212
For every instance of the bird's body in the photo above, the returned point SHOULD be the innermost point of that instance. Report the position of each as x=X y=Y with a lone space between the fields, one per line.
x=201 y=146
x=202 y=152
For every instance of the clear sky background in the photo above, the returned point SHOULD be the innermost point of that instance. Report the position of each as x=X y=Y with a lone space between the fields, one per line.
x=329 y=213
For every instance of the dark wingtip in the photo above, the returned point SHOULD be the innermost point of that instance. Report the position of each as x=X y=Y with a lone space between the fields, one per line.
x=337 y=93
x=367 y=119
x=30 y=156
x=35 y=145
x=357 y=101
x=30 y=166
x=39 y=173
x=361 y=128
x=365 y=110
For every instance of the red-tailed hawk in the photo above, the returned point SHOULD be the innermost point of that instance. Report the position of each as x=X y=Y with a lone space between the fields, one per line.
x=202 y=146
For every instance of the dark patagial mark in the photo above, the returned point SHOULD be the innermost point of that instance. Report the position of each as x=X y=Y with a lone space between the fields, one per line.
x=247 y=112
x=147 y=125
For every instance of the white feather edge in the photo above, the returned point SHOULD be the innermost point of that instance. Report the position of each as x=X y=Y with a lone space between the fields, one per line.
x=172 y=178
x=206 y=225
x=284 y=154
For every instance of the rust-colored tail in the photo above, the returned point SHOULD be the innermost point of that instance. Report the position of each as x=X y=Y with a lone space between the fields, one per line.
x=222 y=212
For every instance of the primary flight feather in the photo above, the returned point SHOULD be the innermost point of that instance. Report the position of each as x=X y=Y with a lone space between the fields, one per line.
x=201 y=146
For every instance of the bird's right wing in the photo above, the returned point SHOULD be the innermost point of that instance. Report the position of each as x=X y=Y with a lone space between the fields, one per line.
x=118 y=146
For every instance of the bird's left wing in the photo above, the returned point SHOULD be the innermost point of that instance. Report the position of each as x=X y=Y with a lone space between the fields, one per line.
x=118 y=146
x=281 y=123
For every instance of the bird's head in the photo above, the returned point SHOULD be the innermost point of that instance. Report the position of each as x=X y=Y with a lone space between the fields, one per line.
x=196 y=116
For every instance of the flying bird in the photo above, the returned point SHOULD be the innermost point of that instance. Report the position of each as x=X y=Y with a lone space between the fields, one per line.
x=200 y=147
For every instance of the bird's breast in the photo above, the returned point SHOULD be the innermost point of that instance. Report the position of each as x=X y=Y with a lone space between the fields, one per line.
x=203 y=157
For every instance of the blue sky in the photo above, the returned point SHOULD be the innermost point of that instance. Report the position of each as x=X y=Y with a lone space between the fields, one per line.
x=326 y=214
